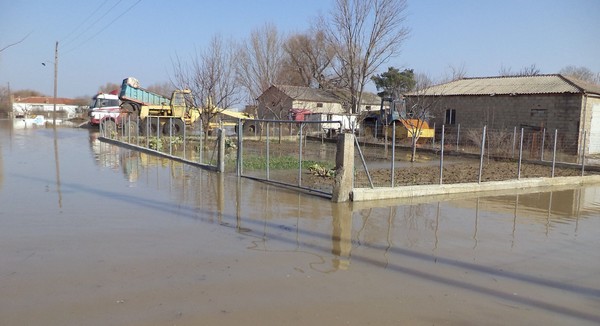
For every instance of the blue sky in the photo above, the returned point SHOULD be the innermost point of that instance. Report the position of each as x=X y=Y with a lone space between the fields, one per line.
x=140 y=38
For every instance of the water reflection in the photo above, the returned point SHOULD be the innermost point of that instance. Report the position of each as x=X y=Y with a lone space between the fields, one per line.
x=57 y=164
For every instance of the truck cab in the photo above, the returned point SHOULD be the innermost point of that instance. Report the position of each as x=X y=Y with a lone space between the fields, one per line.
x=104 y=106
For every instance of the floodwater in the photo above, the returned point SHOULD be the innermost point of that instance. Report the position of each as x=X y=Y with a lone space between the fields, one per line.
x=93 y=234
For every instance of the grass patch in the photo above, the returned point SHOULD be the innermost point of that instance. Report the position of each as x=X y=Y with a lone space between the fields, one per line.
x=280 y=163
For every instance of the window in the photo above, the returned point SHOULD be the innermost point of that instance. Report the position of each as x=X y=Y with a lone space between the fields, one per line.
x=538 y=113
x=450 y=117
x=319 y=105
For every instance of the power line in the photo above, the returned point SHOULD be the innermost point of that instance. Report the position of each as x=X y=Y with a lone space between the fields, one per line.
x=66 y=38
x=104 y=28
x=96 y=21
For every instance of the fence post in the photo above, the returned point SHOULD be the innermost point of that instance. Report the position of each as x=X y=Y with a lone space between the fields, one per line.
x=148 y=132
x=170 y=136
x=520 y=156
x=300 y=156
x=129 y=129
x=184 y=140
x=442 y=155
x=268 y=154
x=583 y=153
x=221 y=152
x=457 y=136
x=554 y=151
x=482 y=152
x=514 y=142
x=201 y=143
x=157 y=132
x=433 y=138
x=344 y=167
x=393 y=150
x=543 y=143
x=240 y=149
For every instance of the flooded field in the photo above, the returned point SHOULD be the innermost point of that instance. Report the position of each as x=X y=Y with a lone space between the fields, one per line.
x=93 y=234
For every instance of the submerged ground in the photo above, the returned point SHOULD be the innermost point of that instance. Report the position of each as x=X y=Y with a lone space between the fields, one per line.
x=94 y=234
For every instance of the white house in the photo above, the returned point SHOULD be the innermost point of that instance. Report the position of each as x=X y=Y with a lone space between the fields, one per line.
x=284 y=102
x=41 y=105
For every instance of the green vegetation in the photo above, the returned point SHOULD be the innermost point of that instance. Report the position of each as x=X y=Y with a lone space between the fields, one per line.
x=280 y=163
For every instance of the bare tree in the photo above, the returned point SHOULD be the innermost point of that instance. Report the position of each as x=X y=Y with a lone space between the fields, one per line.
x=456 y=73
x=164 y=88
x=531 y=70
x=109 y=87
x=364 y=35
x=582 y=73
x=307 y=57
x=259 y=61
x=27 y=93
x=420 y=106
x=210 y=76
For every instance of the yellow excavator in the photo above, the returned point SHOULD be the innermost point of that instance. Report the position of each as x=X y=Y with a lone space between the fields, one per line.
x=379 y=123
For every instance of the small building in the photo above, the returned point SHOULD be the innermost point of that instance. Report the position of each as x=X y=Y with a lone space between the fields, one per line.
x=42 y=105
x=284 y=102
x=537 y=102
x=278 y=100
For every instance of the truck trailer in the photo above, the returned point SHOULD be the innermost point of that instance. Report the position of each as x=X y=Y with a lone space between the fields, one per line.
x=154 y=112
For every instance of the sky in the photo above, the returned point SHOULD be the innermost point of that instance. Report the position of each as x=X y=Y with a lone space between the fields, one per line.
x=102 y=41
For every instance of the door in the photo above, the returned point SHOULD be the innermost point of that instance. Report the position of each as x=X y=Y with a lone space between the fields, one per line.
x=594 y=134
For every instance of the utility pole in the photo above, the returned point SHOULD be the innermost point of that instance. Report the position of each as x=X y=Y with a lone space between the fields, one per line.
x=55 y=82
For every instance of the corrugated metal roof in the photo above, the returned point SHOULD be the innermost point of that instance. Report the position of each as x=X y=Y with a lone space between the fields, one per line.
x=541 y=84
x=321 y=95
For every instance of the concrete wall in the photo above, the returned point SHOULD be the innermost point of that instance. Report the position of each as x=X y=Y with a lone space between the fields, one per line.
x=590 y=103
x=504 y=112
x=326 y=107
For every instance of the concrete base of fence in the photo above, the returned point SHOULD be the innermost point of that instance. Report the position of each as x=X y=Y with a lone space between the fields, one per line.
x=344 y=167
x=484 y=188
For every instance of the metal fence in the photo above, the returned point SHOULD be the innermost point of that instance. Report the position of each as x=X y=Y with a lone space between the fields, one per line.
x=290 y=153
x=190 y=144
x=302 y=154
x=299 y=154
x=456 y=155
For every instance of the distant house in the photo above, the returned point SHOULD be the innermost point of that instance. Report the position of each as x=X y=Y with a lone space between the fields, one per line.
x=531 y=102
x=278 y=101
x=41 y=105
x=286 y=102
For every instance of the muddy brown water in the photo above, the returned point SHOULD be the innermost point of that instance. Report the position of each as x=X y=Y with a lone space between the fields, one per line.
x=93 y=234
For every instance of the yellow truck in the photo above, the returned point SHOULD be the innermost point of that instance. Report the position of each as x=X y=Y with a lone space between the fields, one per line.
x=156 y=112
x=230 y=118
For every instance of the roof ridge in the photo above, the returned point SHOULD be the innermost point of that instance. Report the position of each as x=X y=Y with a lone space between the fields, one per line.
x=521 y=76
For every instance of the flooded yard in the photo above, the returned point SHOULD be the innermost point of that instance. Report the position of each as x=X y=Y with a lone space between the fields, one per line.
x=94 y=234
